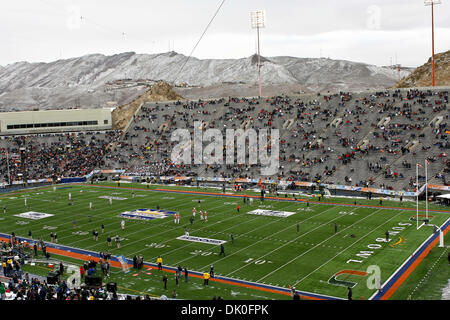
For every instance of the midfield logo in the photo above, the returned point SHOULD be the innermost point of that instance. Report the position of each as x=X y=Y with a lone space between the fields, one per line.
x=146 y=214
x=33 y=215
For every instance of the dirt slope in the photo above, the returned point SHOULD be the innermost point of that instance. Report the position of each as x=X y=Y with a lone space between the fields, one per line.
x=422 y=76
x=161 y=91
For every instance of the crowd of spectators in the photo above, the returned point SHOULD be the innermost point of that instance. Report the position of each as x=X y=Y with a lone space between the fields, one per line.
x=15 y=284
x=54 y=155
x=375 y=136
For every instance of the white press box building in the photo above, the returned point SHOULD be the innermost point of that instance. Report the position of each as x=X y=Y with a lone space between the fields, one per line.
x=28 y=122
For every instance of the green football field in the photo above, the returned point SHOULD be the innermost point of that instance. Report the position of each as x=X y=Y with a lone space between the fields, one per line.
x=267 y=249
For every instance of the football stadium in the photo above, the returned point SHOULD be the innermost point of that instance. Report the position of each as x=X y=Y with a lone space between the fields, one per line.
x=322 y=195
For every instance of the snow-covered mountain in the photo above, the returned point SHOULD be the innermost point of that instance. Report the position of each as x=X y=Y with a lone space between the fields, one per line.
x=23 y=83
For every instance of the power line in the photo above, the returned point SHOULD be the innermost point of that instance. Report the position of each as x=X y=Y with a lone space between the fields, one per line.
x=200 y=39
x=82 y=18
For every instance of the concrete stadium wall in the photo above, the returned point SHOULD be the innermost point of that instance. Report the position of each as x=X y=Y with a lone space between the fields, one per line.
x=37 y=118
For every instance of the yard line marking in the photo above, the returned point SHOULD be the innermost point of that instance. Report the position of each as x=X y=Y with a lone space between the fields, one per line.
x=339 y=216
x=83 y=225
x=327 y=222
x=218 y=214
x=315 y=245
x=262 y=226
x=91 y=246
x=344 y=250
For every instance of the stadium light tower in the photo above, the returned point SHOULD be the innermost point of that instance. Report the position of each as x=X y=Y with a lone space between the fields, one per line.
x=258 y=18
x=432 y=3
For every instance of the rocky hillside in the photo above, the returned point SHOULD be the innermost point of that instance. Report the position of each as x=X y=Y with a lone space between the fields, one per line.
x=82 y=82
x=422 y=76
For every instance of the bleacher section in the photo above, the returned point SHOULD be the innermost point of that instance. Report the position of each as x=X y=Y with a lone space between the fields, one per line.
x=371 y=139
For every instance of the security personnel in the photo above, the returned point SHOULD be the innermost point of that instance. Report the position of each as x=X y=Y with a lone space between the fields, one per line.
x=159 y=262
x=205 y=278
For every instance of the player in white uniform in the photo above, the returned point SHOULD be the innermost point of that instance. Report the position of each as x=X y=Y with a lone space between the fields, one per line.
x=70 y=196
x=178 y=218
x=122 y=224
x=25 y=202
x=201 y=215
x=110 y=201
x=90 y=205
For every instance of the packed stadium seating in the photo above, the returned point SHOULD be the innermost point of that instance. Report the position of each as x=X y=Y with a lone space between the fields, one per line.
x=364 y=139
x=54 y=155
x=360 y=139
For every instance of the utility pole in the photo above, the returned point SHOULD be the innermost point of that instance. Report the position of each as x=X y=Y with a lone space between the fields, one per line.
x=432 y=3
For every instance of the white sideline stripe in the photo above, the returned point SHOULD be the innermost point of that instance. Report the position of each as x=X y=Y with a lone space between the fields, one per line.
x=318 y=244
x=179 y=248
x=160 y=233
x=339 y=216
x=407 y=259
x=262 y=226
x=262 y=238
x=94 y=197
x=344 y=250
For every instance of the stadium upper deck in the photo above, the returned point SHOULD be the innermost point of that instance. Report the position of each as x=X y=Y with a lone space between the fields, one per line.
x=363 y=139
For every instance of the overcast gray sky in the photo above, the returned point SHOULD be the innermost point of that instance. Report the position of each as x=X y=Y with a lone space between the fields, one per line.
x=358 y=30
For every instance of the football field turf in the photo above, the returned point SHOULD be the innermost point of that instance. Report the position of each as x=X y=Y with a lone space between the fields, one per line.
x=268 y=249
